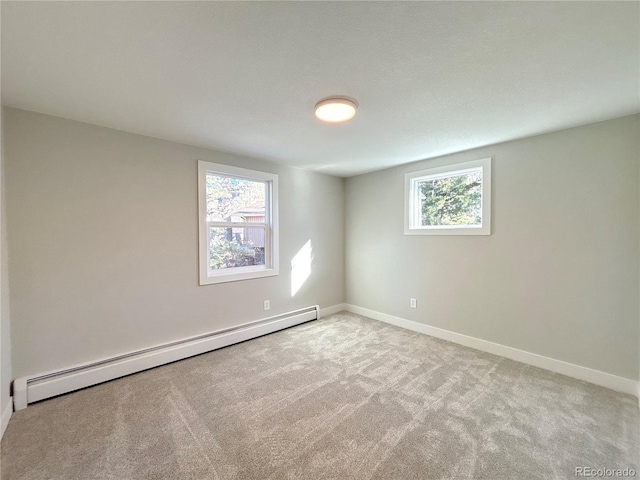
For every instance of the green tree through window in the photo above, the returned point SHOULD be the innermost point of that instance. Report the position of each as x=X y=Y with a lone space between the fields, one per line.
x=228 y=200
x=453 y=200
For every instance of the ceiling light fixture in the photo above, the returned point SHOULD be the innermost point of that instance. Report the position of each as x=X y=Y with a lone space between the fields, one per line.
x=336 y=109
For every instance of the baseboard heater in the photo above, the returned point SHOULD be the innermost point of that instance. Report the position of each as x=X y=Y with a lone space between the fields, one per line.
x=32 y=389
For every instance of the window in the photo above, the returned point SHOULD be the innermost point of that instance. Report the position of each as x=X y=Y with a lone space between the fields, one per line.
x=449 y=200
x=238 y=217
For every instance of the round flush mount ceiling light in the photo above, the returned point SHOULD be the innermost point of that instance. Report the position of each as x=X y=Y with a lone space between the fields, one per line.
x=336 y=109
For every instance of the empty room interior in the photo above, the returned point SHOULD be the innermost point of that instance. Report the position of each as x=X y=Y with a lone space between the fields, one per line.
x=320 y=240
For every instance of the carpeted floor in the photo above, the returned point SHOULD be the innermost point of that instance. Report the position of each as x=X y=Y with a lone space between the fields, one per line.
x=345 y=397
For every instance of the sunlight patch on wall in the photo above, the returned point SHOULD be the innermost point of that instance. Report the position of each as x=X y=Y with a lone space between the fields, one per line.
x=301 y=267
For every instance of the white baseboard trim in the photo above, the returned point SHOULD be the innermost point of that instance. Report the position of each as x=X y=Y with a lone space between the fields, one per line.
x=325 y=312
x=6 y=416
x=38 y=387
x=613 y=382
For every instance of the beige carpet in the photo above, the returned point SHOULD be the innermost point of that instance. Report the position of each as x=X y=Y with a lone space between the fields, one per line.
x=340 y=398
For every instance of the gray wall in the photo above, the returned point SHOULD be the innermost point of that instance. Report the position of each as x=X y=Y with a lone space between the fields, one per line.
x=103 y=238
x=558 y=276
x=5 y=330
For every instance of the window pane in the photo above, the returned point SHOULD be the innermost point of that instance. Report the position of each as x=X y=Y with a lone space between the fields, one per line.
x=235 y=199
x=452 y=200
x=236 y=247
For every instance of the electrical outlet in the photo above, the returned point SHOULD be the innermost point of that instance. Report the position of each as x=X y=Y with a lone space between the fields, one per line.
x=413 y=303
x=267 y=304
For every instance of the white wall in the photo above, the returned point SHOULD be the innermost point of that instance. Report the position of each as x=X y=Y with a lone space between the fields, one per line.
x=558 y=276
x=103 y=237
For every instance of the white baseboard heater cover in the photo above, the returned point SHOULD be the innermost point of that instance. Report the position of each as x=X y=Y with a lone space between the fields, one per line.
x=32 y=389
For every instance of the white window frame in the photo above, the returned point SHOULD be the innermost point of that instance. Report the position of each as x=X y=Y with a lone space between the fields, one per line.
x=412 y=208
x=271 y=266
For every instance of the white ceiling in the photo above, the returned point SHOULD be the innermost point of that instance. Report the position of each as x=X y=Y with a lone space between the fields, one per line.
x=431 y=78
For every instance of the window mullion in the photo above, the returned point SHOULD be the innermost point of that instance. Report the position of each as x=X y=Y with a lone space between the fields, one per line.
x=236 y=225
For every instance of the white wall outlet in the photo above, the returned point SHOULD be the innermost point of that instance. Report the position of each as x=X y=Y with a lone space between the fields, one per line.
x=267 y=304
x=413 y=303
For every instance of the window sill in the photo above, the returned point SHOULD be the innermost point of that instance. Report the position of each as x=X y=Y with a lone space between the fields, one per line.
x=448 y=231
x=236 y=277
